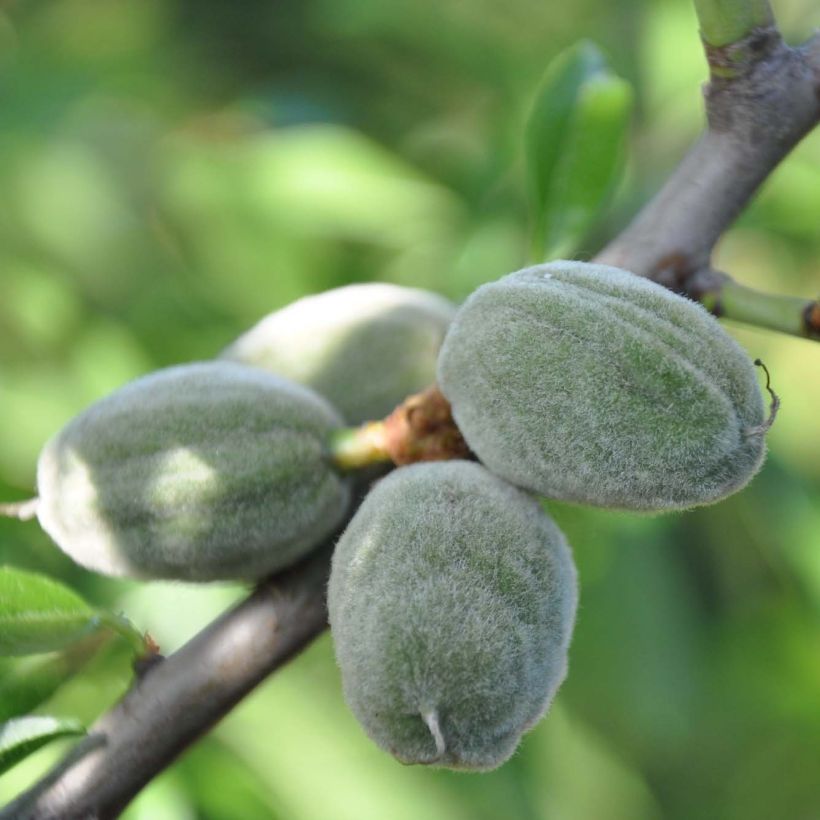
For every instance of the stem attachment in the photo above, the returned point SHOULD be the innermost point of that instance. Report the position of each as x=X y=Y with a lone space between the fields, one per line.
x=21 y=510
x=357 y=447
x=421 y=428
x=788 y=314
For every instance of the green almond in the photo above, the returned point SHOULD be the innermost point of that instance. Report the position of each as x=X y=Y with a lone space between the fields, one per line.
x=199 y=472
x=452 y=601
x=585 y=383
x=365 y=347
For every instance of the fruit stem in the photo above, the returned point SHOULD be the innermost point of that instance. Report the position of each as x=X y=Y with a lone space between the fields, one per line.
x=788 y=314
x=357 y=447
x=21 y=510
x=723 y=22
x=421 y=428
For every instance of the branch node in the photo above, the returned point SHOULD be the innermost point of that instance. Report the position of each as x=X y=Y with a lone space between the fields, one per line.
x=727 y=62
x=673 y=270
x=811 y=319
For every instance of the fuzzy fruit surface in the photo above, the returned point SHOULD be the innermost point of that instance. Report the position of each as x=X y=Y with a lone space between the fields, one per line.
x=199 y=472
x=585 y=383
x=452 y=600
x=364 y=347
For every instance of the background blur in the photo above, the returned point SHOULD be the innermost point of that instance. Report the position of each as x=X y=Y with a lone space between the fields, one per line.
x=172 y=170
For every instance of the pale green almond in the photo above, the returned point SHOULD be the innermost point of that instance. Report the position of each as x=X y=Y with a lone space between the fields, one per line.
x=198 y=472
x=364 y=347
x=586 y=383
x=452 y=601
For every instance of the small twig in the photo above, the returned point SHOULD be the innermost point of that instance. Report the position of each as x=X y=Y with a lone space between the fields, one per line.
x=21 y=510
x=728 y=22
x=755 y=119
x=731 y=300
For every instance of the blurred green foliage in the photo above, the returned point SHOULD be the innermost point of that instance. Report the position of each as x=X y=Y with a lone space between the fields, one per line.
x=575 y=145
x=172 y=170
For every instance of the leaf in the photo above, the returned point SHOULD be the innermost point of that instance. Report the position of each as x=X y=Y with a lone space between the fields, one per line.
x=549 y=120
x=40 y=615
x=575 y=142
x=25 y=683
x=23 y=736
x=592 y=163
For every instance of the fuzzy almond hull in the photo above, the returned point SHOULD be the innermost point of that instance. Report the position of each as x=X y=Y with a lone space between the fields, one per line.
x=199 y=472
x=586 y=383
x=452 y=601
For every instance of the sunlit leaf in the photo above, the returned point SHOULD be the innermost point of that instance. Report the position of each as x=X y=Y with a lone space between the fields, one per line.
x=25 y=683
x=38 y=614
x=23 y=736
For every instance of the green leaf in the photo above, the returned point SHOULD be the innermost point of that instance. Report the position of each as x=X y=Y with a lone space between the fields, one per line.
x=592 y=162
x=551 y=113
x=25 y=683
x=575 y=141
x=23 y=736
x=123 y=627
x=40 y=615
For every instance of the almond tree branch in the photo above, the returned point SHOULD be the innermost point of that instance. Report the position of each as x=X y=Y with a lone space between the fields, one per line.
x=756 y=116
x=421 y=428
x=179 y=698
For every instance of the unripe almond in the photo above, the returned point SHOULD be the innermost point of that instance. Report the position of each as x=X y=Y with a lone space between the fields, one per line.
x=586 y=383
x=364 y=347
x=452 y=601
x=199 y=472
